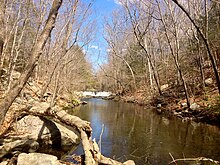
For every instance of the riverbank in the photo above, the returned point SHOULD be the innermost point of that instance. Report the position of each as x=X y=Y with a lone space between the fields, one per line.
x=34 y=132
x=130 y=131
x=204 y=107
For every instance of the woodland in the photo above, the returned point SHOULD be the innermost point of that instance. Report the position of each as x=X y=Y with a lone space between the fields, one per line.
x=160 y=52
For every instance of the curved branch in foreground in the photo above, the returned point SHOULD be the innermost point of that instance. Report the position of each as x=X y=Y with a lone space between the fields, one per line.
x=91 y=149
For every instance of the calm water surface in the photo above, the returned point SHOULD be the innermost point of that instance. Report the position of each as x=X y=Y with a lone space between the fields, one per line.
x=137 y=133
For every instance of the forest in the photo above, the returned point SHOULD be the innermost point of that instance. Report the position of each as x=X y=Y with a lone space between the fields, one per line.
x=163 y=53
x=166 y=49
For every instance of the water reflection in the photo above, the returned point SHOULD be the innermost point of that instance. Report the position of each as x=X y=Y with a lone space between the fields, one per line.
x=132 y=132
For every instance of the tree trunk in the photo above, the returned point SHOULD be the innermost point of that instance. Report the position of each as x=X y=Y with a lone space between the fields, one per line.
x=1 y=46
x=175 y=54
x=36 y=53
x=211 y=56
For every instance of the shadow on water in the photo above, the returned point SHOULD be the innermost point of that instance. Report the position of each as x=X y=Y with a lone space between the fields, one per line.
x=132 y=132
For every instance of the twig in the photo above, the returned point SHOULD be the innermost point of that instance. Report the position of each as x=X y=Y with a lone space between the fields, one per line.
x=100 y=138
x=195 y=159
x=172 y=158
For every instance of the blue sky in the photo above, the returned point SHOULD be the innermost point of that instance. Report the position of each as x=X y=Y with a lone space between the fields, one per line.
x=97 y=48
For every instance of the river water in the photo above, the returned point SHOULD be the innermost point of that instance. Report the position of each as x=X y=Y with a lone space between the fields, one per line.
x=129 y=131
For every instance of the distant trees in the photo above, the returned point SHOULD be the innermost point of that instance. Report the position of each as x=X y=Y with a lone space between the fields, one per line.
x=169 y=46
x=36 y=52
x=22 y=23
x=30 y=48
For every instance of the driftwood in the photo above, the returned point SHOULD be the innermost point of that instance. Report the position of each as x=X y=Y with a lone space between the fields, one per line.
x=91 y=149
x=197 y=160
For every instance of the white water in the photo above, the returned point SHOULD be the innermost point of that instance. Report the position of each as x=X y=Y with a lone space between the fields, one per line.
x=95 y=94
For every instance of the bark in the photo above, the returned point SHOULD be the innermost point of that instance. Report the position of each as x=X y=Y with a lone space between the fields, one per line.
x=36 y=53
x=2 y=14
x=1 y=46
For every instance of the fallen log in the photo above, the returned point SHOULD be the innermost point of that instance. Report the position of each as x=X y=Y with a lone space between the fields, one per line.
x=91 y=149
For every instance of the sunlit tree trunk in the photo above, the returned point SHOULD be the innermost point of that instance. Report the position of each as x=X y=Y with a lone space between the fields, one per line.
x=36 y=53
x=142 y=42
x=174 y=53
x=205 y=40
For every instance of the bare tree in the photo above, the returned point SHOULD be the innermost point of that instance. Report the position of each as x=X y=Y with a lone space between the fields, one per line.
x=205 y=40
x=36 y=53
x=117 y=49
x=174 y=49
x=140 y=32
x=63 y=51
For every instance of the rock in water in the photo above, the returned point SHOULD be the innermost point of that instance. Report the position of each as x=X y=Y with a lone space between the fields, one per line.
x=46 y=132
x=37 y=159
x=32 y=133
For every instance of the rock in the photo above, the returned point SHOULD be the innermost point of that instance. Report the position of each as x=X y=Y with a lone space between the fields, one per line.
x=129 y=162
x=84 y=102
x=165 y=121
x=46 y=132
x=208 y=81
x=159 y=111
x=165 y=86
x=177 y=113
x=4 y=163
x=184 y=105
x=37 y=159
x=15 y=75
x=159 y=105
x=13 y=146
x=194 y=106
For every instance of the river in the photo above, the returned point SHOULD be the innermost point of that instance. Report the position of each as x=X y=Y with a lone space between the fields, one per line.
x=129 y=131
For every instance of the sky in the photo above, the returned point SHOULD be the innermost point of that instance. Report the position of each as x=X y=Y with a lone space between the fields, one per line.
x=96 y=50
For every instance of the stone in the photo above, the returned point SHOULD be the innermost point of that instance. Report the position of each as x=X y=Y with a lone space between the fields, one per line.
x=84 y=102
x=37 y=159
x=12 y=146
x=164 y=87
x=208 y=81
x=46 y=132
x=159 y=105
x=4 y=163
x=129 y=162
x=177 y=113
x=194 y=106
x=15 y=75
x=184 y=105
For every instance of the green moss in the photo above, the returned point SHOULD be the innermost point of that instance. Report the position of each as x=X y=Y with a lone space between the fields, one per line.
x=75 y=101
x=72 y=102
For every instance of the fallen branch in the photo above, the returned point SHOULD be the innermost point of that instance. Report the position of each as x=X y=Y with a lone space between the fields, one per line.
x=107 y=161
x=195 y=159
x=91 y=149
